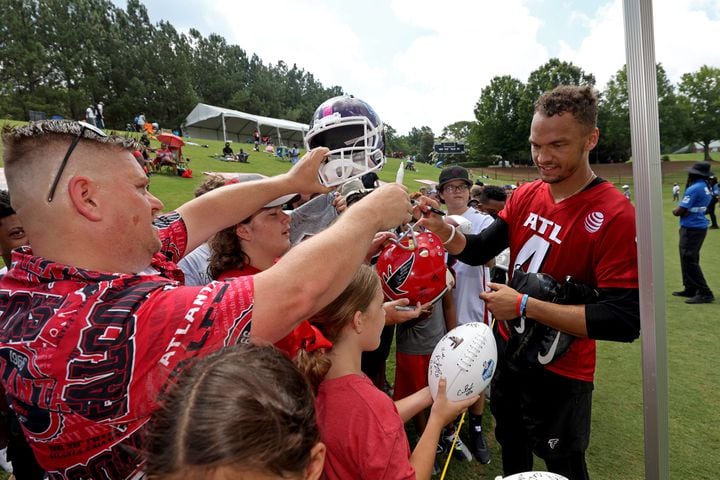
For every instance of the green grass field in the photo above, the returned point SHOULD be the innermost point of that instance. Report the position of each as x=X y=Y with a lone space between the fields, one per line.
x=616 y=448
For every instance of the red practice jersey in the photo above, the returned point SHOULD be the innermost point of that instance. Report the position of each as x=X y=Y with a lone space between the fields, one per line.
x=589 y=236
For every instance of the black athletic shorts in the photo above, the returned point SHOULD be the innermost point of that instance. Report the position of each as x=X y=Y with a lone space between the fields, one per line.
x=540 y=412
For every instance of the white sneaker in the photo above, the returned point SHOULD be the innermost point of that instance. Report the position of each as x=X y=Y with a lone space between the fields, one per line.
x=461 y=451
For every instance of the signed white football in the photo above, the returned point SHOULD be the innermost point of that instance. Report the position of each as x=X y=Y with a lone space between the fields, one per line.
x=466 y=356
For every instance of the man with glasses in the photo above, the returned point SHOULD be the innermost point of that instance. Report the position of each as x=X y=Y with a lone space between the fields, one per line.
x=454 y=189
x=94 y=317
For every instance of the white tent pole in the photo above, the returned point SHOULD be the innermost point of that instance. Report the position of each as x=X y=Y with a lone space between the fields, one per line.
x=647 y=173
x=222 y=118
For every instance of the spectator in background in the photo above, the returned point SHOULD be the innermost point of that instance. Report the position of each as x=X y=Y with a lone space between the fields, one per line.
x=626 y=191
x=675 y=192
x=164 y=157
x=294 y=153
x=256 y=140
x=99 y=117
x=90 y=115
x=228 y=151
x=693 y=229
x=715 y=191
x=140 y=122
x=492 y=200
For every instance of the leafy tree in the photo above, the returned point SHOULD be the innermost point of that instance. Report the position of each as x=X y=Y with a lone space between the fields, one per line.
x=500 y=128
x=550 y=75
x=458 y=131
x=701 y=91
x=420 y=142
x=61 y=56
x=614 y=117
x=394 y=142
x=614 y=120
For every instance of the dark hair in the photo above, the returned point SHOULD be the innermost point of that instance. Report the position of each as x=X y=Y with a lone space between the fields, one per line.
x=356 y=297
x=493 y=192
x=226 y=251
x=579 y=100
x=5 y=208
x=246 y=407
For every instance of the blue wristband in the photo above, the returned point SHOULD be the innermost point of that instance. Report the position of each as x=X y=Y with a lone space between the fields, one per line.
x=523 y=305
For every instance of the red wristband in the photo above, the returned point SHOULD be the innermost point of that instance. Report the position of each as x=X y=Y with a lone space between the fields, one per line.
x=518 y=304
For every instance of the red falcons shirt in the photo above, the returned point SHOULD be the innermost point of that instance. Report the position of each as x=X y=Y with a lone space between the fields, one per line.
x=589 y=236
x=83 y=354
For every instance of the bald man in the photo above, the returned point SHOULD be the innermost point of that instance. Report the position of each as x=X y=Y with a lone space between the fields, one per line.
x=93 y=317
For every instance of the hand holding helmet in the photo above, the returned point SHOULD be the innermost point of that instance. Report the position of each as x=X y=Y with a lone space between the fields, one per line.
x=303 y=175
x=353 y=132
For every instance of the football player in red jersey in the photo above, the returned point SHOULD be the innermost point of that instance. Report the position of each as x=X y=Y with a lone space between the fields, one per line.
x=94 y=317
x=568 y=223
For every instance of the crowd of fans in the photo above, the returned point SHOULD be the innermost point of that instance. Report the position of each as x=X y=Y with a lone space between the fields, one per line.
x=233 y=337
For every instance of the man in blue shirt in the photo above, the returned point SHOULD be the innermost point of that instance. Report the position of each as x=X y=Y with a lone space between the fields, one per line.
x=693 y=228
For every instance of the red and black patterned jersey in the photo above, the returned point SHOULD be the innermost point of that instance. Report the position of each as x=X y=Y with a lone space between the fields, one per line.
x=589 y=236
x=84 y=354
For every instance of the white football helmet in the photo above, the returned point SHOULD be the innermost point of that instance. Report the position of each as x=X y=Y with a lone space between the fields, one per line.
x=353 y=132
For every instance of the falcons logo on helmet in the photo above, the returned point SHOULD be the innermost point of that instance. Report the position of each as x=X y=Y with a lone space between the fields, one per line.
x=395 y=280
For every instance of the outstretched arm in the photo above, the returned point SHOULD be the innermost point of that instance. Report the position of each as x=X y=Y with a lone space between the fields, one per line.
x=223 y=207
x=316 y=271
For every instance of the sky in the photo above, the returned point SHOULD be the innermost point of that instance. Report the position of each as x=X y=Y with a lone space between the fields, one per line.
x=425 y=62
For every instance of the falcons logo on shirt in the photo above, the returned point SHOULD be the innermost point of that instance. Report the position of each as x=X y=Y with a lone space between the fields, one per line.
x=395 y=280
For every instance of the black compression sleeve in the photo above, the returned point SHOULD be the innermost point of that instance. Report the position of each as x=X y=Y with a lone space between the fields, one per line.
x=484 y=246
x=615 y=316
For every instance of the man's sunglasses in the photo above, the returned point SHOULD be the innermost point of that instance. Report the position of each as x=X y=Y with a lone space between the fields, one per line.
x=84 y=128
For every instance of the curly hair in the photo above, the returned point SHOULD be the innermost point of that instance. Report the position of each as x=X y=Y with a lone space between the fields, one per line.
x=245 y=407
x=579 y=100
x=226 y=252
x=210 y=184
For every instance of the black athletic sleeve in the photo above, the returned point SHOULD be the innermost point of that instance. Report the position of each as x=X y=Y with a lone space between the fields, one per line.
x=615 y=316
x=486 y=245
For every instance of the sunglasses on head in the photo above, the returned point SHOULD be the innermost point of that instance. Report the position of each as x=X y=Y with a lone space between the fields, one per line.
x=84 y=128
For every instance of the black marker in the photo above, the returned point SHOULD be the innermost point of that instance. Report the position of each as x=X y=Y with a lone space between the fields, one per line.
x=432 y=209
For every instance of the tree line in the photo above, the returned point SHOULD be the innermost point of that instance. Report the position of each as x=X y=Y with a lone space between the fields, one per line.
x=61 y=56
x=688 y=112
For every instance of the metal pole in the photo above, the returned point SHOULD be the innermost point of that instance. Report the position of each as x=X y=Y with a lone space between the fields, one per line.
x=645 y=136
x=222 y=118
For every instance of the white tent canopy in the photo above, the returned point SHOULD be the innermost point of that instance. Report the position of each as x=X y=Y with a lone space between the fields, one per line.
x=216 y=123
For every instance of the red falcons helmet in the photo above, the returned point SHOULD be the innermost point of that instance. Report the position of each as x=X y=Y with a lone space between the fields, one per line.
x=414 y=268
x=353 y=132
